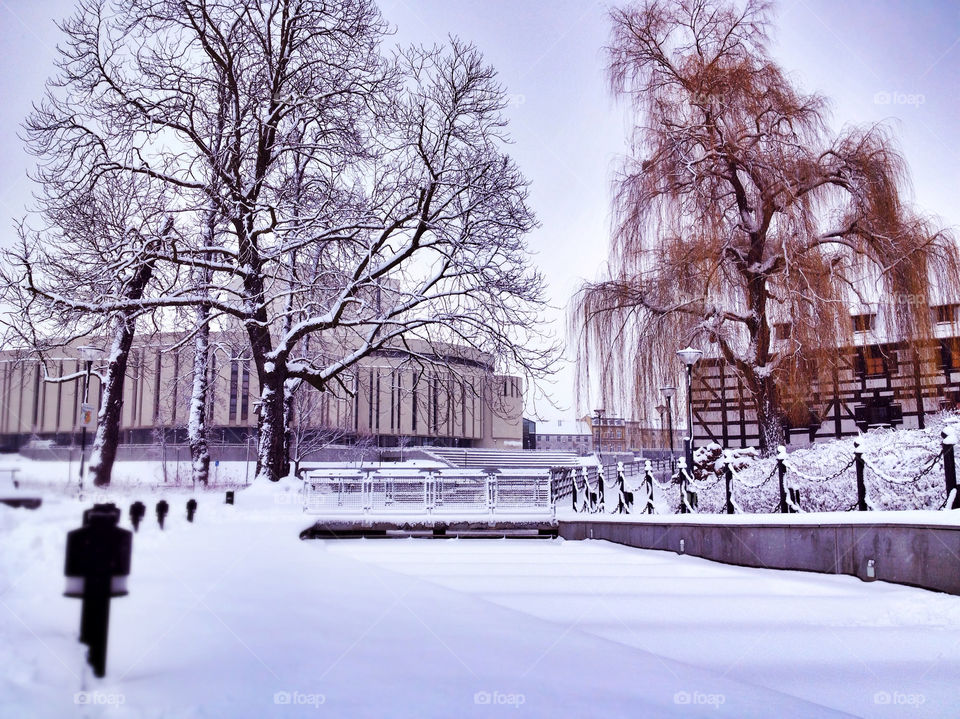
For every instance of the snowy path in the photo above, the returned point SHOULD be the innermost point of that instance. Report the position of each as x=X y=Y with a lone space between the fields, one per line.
x=225 y=614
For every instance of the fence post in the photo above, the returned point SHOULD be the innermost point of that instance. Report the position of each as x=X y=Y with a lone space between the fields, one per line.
x=573 y=483
x=621 y=489
x=601 y=490
x=861 y=484
x=682 y=469
x=728 y=479
x=950 y=467
x=782 y=472
x=648 y=482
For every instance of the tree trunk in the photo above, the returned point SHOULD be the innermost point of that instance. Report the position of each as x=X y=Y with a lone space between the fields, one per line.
x=271 y=458
x=104 y=450
x=105 y=442
x=288 y=418
x=771 y=421
x=197 y=426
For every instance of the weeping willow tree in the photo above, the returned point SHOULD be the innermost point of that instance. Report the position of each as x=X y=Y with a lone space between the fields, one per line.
x=737 y=210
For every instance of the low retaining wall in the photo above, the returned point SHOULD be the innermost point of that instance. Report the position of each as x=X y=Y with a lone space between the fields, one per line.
x=926 y=556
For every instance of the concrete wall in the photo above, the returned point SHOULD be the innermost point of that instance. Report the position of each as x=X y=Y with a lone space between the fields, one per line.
x=925 y=556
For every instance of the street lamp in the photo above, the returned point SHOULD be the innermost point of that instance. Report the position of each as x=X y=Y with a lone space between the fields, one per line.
x=599 y=418
x=689 y=356
x=89 y=355
x=669 y=393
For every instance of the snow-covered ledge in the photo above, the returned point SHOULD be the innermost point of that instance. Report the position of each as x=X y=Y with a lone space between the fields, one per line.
x=897 y=547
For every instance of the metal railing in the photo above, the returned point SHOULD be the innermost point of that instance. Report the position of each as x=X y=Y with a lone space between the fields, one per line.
x=430 y=493
x=856 y=486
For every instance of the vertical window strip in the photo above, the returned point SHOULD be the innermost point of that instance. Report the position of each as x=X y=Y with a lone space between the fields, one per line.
x=245 y=392
x=156 y=387
x=234 y=369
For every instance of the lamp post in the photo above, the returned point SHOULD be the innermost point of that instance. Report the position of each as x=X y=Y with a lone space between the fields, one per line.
x=89 y=354
x=669 y=393
x=599 y=418
x=689 y=356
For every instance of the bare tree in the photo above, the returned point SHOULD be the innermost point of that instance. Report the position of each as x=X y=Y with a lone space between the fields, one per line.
x=83 y=275
x=323 y=188
x=738 y=209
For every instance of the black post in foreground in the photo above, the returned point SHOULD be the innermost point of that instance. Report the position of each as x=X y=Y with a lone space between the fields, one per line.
x=191 y=509
x=138 y=511
x=950 y=468
x=728 y=482
x=162 y=509
x=96 y=567
x=861 y=484
x=648 y=481
x=782 y=473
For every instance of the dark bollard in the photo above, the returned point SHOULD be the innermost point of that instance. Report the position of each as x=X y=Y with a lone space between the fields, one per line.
x=861 y=483
x=950 y=467
x=96 y=567
x=230 y=497
x=162 y=509
x=138 y=511
x=191 y=509
x=648 y=482
x=782 y=473
x=728 y=481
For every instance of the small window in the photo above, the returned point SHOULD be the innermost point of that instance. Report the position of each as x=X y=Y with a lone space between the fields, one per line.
x=864 y=323
x=872 y=361
x=944 y=314
x=782 y=331
x=950 y=353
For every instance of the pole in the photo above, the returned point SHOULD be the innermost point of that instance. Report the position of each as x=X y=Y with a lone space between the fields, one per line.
x=670 y=431
x=83 y=429
x=861 y=484
x=950 y=468
x=782 y=473
x=689 y=437
x=728 y=481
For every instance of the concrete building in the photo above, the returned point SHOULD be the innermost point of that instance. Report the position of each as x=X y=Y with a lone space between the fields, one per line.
x=388 y=401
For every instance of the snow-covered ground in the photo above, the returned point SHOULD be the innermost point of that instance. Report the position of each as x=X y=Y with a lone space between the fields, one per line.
x=233 y=616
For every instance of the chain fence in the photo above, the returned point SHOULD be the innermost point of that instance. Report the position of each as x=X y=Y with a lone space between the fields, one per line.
x=859 y=484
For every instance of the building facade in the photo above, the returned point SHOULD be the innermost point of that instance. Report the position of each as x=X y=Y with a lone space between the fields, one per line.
x=872 y=383
x=564 y=434
x=388 y=400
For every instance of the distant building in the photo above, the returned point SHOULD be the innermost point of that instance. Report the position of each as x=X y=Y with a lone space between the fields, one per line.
x=563 y=434
x=529 y=434
x=457 y=402
x=616 y=434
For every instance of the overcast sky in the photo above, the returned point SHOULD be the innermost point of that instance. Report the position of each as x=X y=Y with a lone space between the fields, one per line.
x=878 y=60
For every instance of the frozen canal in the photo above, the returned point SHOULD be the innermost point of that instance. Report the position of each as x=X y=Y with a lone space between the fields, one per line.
x=234 y=616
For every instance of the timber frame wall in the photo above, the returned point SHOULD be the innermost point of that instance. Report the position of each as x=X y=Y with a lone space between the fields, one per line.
x=901 y=395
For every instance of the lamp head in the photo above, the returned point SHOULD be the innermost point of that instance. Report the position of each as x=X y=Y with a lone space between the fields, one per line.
x=690 y=356
x=90 y=353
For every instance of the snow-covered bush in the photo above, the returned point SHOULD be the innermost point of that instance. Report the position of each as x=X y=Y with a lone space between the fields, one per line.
x=904 y=470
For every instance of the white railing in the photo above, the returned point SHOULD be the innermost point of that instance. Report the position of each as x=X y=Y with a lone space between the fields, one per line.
x=446 y=493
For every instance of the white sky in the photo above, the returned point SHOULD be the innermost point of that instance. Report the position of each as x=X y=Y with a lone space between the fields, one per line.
x=567 y=130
